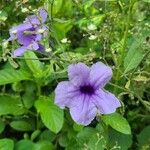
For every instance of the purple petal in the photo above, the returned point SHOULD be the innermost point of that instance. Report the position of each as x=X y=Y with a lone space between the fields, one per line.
x=33 y=20
x=42 y=14
x=19 y=51
x=33 y=46
x=64 y=93
x=100 y=74
x=78 y=73
x=14 y=30
x=83 y=111
x=38 y=37
x=25 y=39
x=105 y=102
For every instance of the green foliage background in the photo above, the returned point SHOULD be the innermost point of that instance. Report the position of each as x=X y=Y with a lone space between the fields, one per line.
x=116 y=32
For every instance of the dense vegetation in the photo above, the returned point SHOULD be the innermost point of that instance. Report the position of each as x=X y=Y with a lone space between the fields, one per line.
x=115 y=32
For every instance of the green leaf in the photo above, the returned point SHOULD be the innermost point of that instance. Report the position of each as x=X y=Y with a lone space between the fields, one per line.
x=136 y=52
x=97 y=142
x=117 y=122
x=144 y=138
x=43 y=145
x=51 y=115
x=63 y=140
x=117 y=139
x=85 y=133
x=47 y=135
x=148 y=1
x=10 y=75
x=11 y=105
x=77 y=127
x=6 y=144
x=35 y=134
x=61 y=27
x=3 y=15
x=24 y=145
x=21 y=125
x=33 y=63
x=57 y=4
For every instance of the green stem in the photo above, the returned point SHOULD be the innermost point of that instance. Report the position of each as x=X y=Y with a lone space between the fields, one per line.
x=123 y=49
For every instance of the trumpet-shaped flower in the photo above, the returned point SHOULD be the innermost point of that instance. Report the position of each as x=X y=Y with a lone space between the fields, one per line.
x=84 y=95
x=29 y=33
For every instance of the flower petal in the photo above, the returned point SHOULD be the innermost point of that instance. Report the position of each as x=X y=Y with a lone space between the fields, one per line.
x=14 y=30
x=100 y=74
x=19 y=51
x=105 y=102
x=64 y=94
x=78 y=74
x=33 y=20
x=42 y=14
x=34 y=46
x=25 y=39
x=83 y=111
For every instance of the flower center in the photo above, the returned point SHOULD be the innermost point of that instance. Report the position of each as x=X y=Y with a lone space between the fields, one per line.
x=87 y=89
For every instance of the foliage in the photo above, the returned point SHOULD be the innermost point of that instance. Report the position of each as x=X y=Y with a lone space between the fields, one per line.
x=115 y=32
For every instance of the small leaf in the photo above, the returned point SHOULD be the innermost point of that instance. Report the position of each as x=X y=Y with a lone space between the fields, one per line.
x=117 y=122
x=51 y=115
x=35 y=134
x=11 y=105
x=136 y=52
x=21 y=125
x=33 y=63
x=6 y=144
x=140 y=78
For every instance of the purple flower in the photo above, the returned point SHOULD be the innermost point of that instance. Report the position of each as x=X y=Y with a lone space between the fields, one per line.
x=84 y=95
x=30 y=33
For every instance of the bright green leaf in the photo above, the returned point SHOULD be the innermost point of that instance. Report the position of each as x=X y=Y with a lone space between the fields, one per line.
x=51 y=115
x=11 y=105
x=10 y=75
x=117 y=122
x=6 y=144
x=34 y=64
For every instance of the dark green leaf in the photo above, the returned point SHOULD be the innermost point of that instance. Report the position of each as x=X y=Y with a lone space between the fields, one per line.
x=2 y=126
x=21 y=125
x=144 y=139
